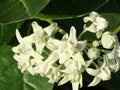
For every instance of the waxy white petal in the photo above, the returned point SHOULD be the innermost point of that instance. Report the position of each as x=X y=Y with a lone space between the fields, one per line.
x=37 y=28
x=93 y=72
x=63 y=81
x=19 y=37
x=50 y=29
x=72 y=38
x=75 y=85
x=95 y=81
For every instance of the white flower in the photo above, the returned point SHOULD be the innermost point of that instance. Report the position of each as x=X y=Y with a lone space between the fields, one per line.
x=23 y=47
x=45 y=67
x=98 y=23
x=73 y=73
x=118 y=50
x=54 y=75
x=113 y=58
x=93 y=53
x=108 y=40
x=28 y=52
x=23 y=51
x=69 y=51
x=102 y=73
x=67 y=47
x=42 y=35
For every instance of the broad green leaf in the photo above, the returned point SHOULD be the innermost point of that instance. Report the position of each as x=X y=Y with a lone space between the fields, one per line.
x=37 y=82
x=7 y=32
x=62 y=9
x=12 y=79
x=16 y=10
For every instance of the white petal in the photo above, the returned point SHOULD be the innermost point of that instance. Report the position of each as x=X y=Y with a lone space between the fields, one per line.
x=68 y=62
x=63 y=81
x=71 y=67
x=36 y=27
x=91 y=28
x=53 y=44
x=111 y=55
x=59 y=44
x=19 y=37
x=105 y=63
x=15 y=49
x=81 y=79
x=81 y=45
x=75 y=85
x=49 y=30
x=72 y=38
x=78 y=56
x=101 y=23
x=88 y=63
x=37 y=59
x=65 y=37
x=86 y=19
x=39 y=47
x=95 y=81
x=52 y=58
x=93 y=72
x=93 y=16
x=31 y=70
x=99 y=34
x=16 y=57
x=118 y=65
x=105 y=74
x=64 y=56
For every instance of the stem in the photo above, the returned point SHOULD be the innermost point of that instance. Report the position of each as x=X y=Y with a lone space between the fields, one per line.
x=46 y=52
x=89 y=45
x=117 y=30
x=86 y=51
x=95 y=64
x=60 y=30
x=49 y=21
x=104 y=51
x=80 y=35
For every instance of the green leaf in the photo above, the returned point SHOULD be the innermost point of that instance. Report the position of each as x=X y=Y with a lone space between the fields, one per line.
x=37 y=82
x=16 y=10
x=7 y=32
x=12 y=79
x=62 y=9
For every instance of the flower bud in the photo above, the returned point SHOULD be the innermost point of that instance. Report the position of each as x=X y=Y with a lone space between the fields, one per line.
x=108 y=40
x=93 y=53
x=95 y=43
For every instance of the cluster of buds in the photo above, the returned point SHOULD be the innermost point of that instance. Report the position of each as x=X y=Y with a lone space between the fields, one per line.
x=67 y=59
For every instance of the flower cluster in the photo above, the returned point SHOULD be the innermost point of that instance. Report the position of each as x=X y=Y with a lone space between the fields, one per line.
x=67 y=59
